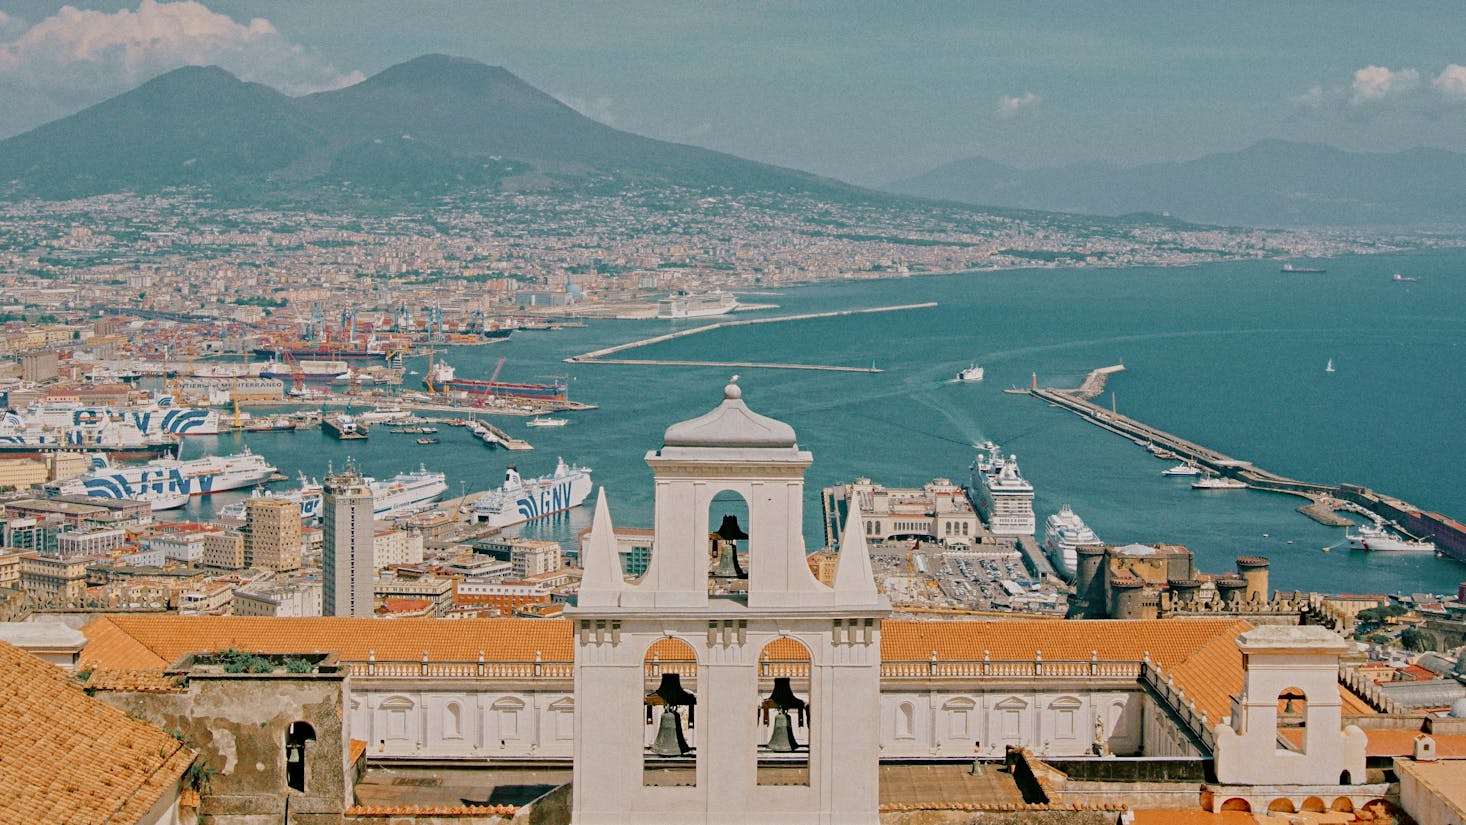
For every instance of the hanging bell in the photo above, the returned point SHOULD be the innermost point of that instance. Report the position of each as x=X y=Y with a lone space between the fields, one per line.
x=292 y=755
x=670 y=693
x=670 y=741
x=782 y=698
x=783 y=739
x=728 y=566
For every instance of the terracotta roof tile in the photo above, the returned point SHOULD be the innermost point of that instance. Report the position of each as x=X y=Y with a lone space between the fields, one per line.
x=65 y=757
x=1387 y=742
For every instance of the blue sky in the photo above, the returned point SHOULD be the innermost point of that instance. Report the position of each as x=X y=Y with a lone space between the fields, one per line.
x=868 y=92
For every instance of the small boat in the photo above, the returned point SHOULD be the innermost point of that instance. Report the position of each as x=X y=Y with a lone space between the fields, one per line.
x=1330 y=367
x=427 y=441
x=1182 y=469
x=1292 y=268
x=164 y=500
x=1404 y=279
x=1218 y=483
x=972 y=373
x=542 y=421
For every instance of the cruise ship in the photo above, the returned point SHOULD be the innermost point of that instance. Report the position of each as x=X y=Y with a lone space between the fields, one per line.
x=696 y=305
x=406 y=493
x=519 y=500
x=309 y=372
x=1064 y=533
x=198 y=477
x=1001 y=494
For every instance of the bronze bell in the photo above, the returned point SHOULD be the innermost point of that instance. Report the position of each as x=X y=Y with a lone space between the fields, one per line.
x=783 y=739
x=725 y=538
x=783 y=699
x=670 y=694
x=670 y=741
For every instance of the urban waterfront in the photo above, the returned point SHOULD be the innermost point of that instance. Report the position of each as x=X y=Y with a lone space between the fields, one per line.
x=1229 y=355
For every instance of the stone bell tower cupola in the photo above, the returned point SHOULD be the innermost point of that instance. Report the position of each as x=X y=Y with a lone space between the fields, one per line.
x=728 y=685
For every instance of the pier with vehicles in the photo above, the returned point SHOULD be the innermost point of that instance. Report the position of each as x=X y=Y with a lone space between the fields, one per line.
x=1413 y=523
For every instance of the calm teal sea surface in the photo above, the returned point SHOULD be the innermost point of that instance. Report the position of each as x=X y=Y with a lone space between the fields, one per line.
x=1228 y=355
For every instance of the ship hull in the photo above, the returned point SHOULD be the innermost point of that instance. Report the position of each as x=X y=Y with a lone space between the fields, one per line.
x=537 y=392
x=538 y=499
x=319 y=353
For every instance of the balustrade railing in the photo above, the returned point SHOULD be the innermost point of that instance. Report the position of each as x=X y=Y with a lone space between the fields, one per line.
x=979 y=669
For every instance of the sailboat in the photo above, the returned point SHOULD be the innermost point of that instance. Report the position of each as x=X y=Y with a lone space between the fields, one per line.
x=1330 y=367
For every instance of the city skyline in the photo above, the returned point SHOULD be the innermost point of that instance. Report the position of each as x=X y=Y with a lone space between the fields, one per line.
x=861 y=93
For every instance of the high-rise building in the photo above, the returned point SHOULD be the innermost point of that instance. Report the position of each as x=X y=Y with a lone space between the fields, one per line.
x=347 y=536
x=272 y=534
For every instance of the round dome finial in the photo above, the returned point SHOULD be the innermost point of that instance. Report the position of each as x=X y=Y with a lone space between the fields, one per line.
x=733 y=391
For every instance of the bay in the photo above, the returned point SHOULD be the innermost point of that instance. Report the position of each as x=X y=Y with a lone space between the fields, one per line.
x=1231 y=356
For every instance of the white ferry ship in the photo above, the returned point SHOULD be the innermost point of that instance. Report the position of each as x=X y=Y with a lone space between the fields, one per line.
x=1001 y=494
x=1376 y=538
x=160 y=417
x=198 y=477
x=406 y=493
x=307 y=496
x=112 y=434
x=1064 y=533
x=519 y=500
x=696 y=305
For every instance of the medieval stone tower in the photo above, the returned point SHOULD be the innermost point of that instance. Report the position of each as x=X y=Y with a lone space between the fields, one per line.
x=676 y=675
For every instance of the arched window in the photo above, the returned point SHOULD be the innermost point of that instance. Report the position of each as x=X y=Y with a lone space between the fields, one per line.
x=670 y=705
x=786 y=733
x=729 y=551
x=396 y=710
x=906 y=721
x=453 y=721
x=1292 y=714
x=297 y=737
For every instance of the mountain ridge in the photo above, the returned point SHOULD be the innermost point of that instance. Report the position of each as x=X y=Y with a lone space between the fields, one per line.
x=1269 y=183
x=435 y=122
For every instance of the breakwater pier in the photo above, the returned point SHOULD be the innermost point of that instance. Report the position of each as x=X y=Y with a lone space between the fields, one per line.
x=600 y=356
x=1448 y=534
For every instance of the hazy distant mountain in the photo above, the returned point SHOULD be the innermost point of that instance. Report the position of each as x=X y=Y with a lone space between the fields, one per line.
x=1272 y=183
x=432 y=123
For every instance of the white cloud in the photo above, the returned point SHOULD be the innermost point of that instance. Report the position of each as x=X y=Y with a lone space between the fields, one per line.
x=82 y=56
x=1011 y=106
x=1374 y=83
x=1451 y=82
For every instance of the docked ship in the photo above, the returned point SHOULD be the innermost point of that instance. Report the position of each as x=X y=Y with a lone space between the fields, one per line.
x=696 y=305
x=1218 y=483
x=518 y=500
x=1182 y=469
x=1376 y=538
x=198 y=477
x=307 y=496
x=406 y=493
x=343 y=426
x=159 y=417
x=310 y=372
x=1064 y=533
x=444 y=378
x=1303 y=269
x=324 y=351
x=1001 y=494
x=117 y=438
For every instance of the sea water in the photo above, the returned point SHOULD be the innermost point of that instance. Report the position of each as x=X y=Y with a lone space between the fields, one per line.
x=1231 y=356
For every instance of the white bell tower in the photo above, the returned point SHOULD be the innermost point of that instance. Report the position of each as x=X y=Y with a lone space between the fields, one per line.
x=724 y=772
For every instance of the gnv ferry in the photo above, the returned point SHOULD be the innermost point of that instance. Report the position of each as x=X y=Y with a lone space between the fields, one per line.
x=198 y=477
x=518 y=500
x=307 y=495
x=157 y=418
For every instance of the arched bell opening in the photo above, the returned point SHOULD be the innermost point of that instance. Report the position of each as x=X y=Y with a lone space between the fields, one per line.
x=669 y=754
x=298 y=739
x=728 y=526
x=785 y=723
x=1292 y=718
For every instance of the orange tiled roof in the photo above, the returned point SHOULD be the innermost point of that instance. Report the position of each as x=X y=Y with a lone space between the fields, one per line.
x=1402 y=743
x=1201 y=654
x=65 y=757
